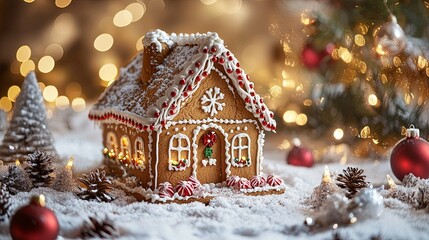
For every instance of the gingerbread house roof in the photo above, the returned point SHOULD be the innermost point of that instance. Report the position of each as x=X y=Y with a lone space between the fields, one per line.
x=191 y=59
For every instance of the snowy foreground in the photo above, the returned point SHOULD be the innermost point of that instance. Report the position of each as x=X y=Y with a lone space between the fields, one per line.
x=228 y=217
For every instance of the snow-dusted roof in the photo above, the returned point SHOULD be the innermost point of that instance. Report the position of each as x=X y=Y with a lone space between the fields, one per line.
x=191 y=59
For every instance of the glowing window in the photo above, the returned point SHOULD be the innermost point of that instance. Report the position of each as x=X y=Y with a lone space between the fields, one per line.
x=240 y=150
x=179 y=152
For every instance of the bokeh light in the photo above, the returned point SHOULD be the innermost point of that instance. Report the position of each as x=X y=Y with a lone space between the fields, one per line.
x=290 y=116
x=78 y=104
x=301 y=119
x=137 y=10
x=103 y=42
x=26 y=67
x=5 y=104
x=50 y=93
x=55 y=50
x=62 y=3
x=122 y=18
x=372 y=100
x=23 y=53
x=46 y=64
x=108 y=72
x=13 y=92
x=62 y=102
x=338 y=134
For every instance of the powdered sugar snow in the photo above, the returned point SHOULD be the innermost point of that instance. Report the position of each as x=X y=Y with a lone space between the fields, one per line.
x=233 y=216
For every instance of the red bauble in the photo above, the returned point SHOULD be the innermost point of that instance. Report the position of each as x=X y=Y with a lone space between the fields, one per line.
x=310 y=57
x=300 y=156
x=410 y=155
x=34 y=222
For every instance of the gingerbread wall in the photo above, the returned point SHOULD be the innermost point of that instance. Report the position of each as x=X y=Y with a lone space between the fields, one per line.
x=193 y=122
x=119 y=130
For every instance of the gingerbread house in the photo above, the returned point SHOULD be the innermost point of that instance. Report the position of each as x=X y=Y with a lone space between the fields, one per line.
x=183 y=107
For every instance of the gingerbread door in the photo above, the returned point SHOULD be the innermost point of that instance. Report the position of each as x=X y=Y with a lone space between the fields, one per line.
x=210 y=156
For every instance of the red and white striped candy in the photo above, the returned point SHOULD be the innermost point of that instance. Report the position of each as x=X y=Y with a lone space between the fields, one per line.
x=258 y=181
x=274 y=180
x=165 y=189
x=243 y=183
x=232 y=181
x=195 y=183
x=185 y=188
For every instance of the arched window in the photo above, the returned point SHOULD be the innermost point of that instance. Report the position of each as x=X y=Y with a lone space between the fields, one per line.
x=139 y=150
x=240 y=150
x=111 y=142
x=125 y=145
x=179 y=152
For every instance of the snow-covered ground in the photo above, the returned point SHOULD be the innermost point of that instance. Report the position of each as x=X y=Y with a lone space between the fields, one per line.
x=226 y=217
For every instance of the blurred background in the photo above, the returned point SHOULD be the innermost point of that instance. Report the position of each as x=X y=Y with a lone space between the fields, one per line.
x=347 y=77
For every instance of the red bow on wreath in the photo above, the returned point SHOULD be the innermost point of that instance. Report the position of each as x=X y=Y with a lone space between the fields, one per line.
x=209 y=139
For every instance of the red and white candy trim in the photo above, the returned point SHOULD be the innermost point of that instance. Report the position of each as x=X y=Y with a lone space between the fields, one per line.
x=185 y=189
x=212 y=51
x=274 y=180
x=243 y=183
x=258 y=181
x=195 y=183
x=165 y=189
x=232 y=181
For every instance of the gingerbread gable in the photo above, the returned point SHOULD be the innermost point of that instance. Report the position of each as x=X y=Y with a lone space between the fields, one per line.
x=180 y=64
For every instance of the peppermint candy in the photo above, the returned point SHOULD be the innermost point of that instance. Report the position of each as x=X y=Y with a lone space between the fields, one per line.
x=258 y=181
x=165 y=189
x=274 y=180
x=232 y=181
x=185 y=188
x=244 y=183
x=195 y=183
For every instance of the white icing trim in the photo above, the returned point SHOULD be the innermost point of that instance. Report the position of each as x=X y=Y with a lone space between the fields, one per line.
x=185 y=83
x=226 y=80
x=240 y=148
x=195 y=147
x=212 y=120
x=179 y=149
x=157 y=37
x=212 y=99
x=260 y=157
x=150 y=143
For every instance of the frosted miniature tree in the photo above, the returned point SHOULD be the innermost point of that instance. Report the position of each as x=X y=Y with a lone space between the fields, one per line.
x=64 y=181
x=28 y=130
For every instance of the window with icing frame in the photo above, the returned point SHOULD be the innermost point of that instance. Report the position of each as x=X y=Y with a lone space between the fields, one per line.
x=179 y=152
x=139 y=156
x=240 y=150
x=112 y=144
x=124 y=155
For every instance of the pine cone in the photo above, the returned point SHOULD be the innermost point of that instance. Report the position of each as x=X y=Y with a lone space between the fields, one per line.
x=16 y=180
x=96 y=187
x=4 y=203
x=39 y=168
x=95 y=228
x=352 y=180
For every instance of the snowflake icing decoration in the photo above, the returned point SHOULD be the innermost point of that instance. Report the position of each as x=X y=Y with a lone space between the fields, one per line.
x=212 y=98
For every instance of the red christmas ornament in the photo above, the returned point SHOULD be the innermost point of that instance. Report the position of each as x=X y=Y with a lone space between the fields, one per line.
x=300 y=156
x=34 y=222
x=410 y=155
x=310 y=57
